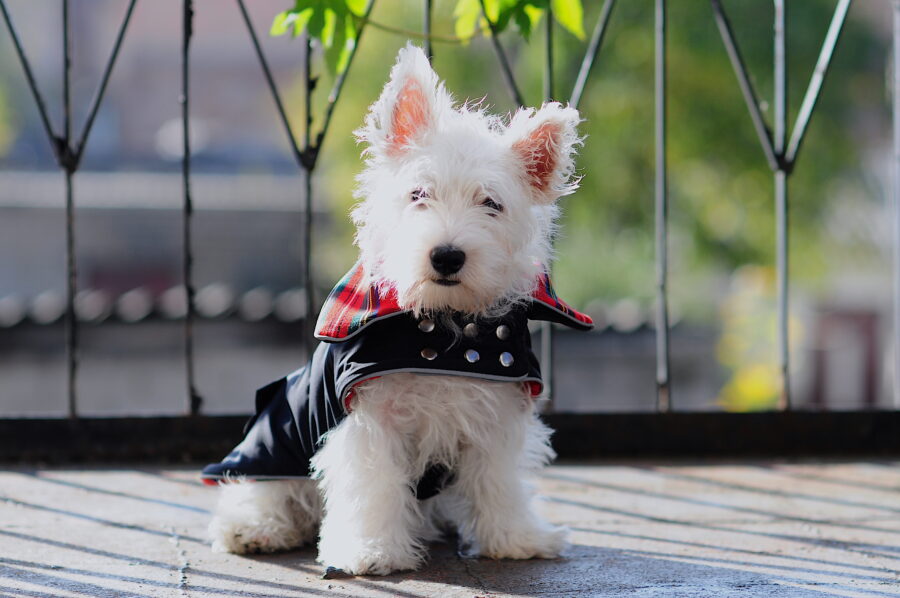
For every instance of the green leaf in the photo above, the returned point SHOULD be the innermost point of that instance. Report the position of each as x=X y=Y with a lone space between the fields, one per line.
x=294 y=20
x=302 y=18
x=328 y=28
x=524 y=23
x=468 y=15
x=569 y=14
x=357 y=7
x=316 y=23
x=534 y=14
x=493 y=8
x=524 y=13
x=281 y=23
x=332 y=22
x=337 y=56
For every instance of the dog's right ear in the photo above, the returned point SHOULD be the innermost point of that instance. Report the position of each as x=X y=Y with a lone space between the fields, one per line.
x=408 y=107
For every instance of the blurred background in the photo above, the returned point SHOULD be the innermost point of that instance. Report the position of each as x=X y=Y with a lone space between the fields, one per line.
x=249 y=197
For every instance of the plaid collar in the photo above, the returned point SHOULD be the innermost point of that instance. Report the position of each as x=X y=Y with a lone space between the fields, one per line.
x=355 y=303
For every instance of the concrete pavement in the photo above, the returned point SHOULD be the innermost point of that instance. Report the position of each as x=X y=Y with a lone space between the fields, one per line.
x=755 y=529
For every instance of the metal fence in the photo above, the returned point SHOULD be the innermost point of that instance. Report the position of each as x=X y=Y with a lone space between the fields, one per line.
x=194 y=435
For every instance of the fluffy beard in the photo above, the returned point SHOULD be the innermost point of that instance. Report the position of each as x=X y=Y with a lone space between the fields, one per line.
x=503 y=256
x=490 y=283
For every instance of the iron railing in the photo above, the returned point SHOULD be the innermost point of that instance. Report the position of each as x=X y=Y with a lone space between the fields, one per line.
x=782 y=431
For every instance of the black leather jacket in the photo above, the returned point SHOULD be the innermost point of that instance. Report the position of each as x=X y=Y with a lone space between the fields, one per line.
x=293 y=413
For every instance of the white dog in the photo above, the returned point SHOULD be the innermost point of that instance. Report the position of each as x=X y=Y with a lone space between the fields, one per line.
x=418 y=413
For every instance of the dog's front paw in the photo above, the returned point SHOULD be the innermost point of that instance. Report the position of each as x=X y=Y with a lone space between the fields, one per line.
x=369 y=558
x=253 y=536
x=545 y=542
x=241 y=538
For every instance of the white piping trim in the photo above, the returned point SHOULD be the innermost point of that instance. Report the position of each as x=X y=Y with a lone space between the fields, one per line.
x=244 y=476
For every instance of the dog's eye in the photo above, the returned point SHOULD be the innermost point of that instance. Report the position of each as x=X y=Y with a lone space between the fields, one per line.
x=417 y=194
x=493 y=205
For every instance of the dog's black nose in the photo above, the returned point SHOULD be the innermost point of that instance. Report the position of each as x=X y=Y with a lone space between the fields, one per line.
x=447 y=259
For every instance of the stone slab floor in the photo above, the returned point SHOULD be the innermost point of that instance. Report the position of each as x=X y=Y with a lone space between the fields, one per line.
x=638 y=529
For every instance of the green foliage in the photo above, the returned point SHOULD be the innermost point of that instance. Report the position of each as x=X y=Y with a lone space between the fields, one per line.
x=748 y=325
x=524 y=13
x=720 y=187
x=570 y=15
x=336 y=23
x=332 y=22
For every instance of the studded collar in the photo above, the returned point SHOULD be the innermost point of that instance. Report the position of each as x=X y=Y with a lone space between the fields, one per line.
x=355 y=303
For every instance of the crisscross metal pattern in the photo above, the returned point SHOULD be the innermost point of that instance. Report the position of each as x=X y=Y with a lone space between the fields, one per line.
x=780 y=150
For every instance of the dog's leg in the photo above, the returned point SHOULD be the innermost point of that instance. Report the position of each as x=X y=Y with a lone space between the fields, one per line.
x=371 y=515
x=265 y=516
x=491 y=503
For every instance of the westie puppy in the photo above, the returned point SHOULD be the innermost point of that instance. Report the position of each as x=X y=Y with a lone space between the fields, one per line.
x=417 y=414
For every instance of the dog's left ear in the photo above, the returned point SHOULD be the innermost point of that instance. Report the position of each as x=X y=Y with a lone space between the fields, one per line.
x=545 y=142
x=408 y=107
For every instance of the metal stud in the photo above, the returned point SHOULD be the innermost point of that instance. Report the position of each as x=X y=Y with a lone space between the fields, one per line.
x=429 y=354
x=472 y=356
x=426 y=325
x=506 y=359
x=470 y=330
x=503 y=332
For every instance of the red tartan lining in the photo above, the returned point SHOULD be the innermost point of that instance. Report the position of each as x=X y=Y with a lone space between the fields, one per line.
x=545 y=294
x=353 y=304
x=352 y=393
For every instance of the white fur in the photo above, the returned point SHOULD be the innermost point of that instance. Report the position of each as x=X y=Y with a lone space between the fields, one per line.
x=265 y=516
x=462 y=156
x=487 y=433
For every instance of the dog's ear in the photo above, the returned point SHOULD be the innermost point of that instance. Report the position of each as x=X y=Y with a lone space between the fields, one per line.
x=545 y=142
x=408 y=107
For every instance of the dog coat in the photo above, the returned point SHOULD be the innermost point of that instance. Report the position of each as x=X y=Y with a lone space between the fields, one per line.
x=366 y=335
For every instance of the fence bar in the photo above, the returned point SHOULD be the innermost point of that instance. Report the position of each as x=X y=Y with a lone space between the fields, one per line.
x=587 y=64
x=896 y=116
x=68 y=156
x=547 y=365
x=64 y=156
x=740 y=70
x=305 y=159
x=67 y=79
x=194 y=400
x=426 y=30
x=817 y=79
x=71 y=289
x=104 y=80
x=508 y=77
x=663 y=382
x=267 y=72
x=308 y=295
x=32 y=84
x=548 y=54
x=307 y=154
x=781 y=201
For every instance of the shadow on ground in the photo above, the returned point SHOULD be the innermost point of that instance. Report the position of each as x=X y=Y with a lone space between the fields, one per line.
x=638 y=530
x=582 y=571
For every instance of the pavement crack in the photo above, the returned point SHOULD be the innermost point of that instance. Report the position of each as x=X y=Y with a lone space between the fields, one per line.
x=183 y=563
x=479 y=582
